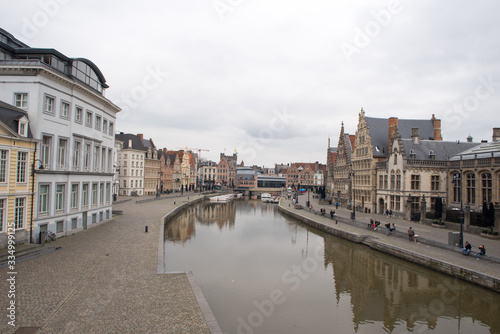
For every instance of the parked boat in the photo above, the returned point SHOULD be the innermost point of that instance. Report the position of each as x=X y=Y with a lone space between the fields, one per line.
x=266 y=197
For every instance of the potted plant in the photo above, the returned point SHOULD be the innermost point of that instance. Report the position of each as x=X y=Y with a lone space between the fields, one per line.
x=490 y=234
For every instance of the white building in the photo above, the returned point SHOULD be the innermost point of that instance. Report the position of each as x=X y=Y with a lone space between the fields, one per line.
x=131 y=161
x=64 y=98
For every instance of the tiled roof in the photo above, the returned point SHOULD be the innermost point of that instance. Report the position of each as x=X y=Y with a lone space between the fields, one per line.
x=10 y=115
x=442 y=150
x=136 y=141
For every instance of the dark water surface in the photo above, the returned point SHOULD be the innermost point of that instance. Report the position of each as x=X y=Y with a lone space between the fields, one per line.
x=262 y=272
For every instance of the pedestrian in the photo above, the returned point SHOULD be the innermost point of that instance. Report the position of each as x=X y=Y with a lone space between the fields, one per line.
x=411 y=234
x=387 y=212
x=393 y=227
x=387 y=228
x=390 y=213
x=482 y=251
x=466 y=250
x=336 y=206
x=332 y=213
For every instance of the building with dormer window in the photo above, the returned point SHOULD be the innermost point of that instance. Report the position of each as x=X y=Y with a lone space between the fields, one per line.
x=74 y=123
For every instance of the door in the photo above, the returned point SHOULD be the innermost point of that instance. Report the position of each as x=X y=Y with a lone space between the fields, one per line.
x=84 y=220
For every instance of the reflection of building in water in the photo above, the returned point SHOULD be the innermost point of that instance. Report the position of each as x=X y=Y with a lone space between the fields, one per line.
x=223 y=214
x=182 y=228
x=392 y=292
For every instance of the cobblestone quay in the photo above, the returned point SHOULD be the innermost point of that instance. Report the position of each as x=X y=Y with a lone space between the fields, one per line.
x=431 y=251
x=104 y=280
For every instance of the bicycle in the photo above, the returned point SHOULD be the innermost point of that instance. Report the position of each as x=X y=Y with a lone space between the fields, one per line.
x=51 y=236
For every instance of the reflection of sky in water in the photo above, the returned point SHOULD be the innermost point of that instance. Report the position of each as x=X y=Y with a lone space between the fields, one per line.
x=243 y=252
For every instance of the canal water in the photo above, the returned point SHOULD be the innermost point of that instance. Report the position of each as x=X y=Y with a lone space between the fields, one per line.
x=262 y=272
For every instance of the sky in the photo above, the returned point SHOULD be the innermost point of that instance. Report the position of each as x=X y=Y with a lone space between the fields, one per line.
x=272 y=79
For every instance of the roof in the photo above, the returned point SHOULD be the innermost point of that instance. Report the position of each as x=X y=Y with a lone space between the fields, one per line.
x=379 y=131
x=442 y=150
x=483 y=150
x=136 y=141
x=10 y=116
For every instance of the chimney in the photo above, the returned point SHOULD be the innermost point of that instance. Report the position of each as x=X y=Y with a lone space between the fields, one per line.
x=496 y=134
x=414 y=135
x=437 y=128
x=484 y=141
x=393 y=123
x=130 y=143
x=141 y=136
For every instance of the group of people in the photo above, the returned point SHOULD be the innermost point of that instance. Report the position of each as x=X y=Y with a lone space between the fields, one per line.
x=374 y=224
x=468 y=247
x=388 y=213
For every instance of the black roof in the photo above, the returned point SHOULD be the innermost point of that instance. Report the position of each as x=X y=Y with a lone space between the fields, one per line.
x=442 y=150
x=379 y=128
x=136 y=141
x=10 y=115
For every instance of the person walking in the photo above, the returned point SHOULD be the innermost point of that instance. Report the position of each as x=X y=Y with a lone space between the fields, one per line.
x=387 y=228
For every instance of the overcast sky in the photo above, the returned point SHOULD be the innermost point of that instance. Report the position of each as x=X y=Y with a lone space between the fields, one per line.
x=274 y=79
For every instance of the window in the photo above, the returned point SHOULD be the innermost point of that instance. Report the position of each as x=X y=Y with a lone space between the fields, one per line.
x=61 y=157
x=43 y=199
x=2 y=213
x=470 y=180
x=49 y=104
x=110 y=159
x=111 y=130
x=98 y=122
x=78 y=114
x=105 y=125
x=23 y=125
x=60 y=226
x=415 y=182
x=486 y=187
x=101 y=193
x=412 y=154
x=74 y=223
x=96 y=157
x=65 y=109
x=398 y=180
x=435 y=182
x=108 y=192
x=88 y=118
x=385 y=181
x=60 y=197
x=21 y=100
x=3 y=166
x=393 y=180
x=77 y=147
x=86 y=157
x=85 y=195
x=395 y=157
x=21 y=167
x=74 y=196
x=103 y=159
x=94 y=193
x=46 y=148
x=124 y=183
x=19 y=212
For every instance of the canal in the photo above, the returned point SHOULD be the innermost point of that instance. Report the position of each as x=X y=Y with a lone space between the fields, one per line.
x=262 y=272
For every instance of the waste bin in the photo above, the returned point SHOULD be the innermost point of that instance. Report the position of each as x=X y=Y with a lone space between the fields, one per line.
x=453 y=238
x=42 y=237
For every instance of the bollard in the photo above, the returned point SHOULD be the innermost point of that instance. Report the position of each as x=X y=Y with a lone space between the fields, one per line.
x=174 y=202
x=336 y=221
x=146 y=228
x=188 y=197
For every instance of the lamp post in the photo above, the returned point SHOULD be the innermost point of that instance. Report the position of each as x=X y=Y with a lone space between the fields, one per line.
x=33 y=170
x=308 y=202
x=457 y=179
x=353 y=213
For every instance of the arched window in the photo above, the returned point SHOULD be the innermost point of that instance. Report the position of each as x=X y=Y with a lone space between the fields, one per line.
x=395 y=157
x=470 y=179
x=393 y=180
x=457 y=186
x=398 y=180
x=486 y=187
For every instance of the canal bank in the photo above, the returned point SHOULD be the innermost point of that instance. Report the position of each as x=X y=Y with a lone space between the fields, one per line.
x=433 y=254
x=105 y=280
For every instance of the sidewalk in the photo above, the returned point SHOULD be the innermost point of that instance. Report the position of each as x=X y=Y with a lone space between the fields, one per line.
x=104 y=280
x=445 y=254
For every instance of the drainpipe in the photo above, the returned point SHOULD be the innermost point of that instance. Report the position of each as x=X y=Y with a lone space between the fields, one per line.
x=32 y=192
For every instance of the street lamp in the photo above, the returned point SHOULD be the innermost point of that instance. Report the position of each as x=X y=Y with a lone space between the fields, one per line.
x=457 y=180
x=353 y=213
x=33 y=171
x=308 y=202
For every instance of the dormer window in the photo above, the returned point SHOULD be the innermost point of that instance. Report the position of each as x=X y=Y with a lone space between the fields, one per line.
x=412 y=154
x=23 y=127
x=432 y=156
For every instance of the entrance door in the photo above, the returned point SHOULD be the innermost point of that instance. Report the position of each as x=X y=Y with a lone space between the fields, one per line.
x=84 y=220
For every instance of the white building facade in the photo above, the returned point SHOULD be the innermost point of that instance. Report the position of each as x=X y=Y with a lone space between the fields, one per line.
x=75 y=123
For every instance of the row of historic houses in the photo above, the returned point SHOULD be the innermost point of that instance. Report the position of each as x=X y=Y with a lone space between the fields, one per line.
x=403 y=165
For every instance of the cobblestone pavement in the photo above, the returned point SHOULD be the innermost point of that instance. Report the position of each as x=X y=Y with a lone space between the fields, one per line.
x=455 y=256
x=104 y=280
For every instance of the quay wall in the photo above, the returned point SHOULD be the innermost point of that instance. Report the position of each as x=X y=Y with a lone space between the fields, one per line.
x=423 y=260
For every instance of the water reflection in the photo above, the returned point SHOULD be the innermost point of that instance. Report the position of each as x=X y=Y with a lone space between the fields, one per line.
x=242 y=251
